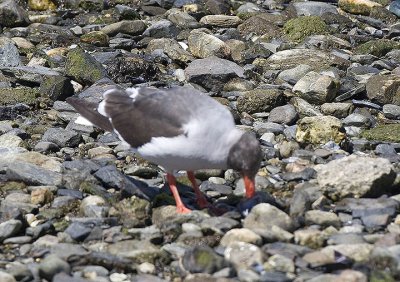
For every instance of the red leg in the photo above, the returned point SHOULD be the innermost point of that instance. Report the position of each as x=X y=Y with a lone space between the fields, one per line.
x=180 y=207
x=200 y=198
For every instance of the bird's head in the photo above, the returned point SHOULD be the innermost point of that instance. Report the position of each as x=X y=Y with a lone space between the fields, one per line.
x=245 y=156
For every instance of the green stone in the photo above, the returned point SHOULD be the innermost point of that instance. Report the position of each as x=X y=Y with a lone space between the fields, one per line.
x=82 y=67
x=383 y=132
x=10 y=96
x=299 y=28
x=377 y=47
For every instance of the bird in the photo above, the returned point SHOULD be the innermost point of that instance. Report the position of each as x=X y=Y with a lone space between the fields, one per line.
x=178 y=128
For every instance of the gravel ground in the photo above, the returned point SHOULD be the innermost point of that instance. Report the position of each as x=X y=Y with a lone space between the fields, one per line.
x=319 y=84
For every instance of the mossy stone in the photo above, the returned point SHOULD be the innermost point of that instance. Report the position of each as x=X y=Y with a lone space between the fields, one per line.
x=41 y=5
x=97 y=38
x=383 y=132
x=299 y=28
x=57 y=88
x=10 y=96
x=379 y=47
x=82 y=67
x=260 y=100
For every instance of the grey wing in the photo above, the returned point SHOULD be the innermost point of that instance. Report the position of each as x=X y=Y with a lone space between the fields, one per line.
x=151 y=113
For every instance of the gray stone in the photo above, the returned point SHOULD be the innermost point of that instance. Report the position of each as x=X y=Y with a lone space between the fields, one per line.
x=391 y=111
x=339 y=110
x=322 y=218
x=161 y=29
x=46 y=147
x=220 y=20
x=313 y=9
x=171 y=48
x=27 y=74
x=12 y=14
x=203 y=45
x=137 y=251
x=212 y=72
x=5 y=277
x=10 y=140
x=182 y=19
x=383 y=89
x=78 y=231
x=240 y=235
x=356 y=119
x=259 y=100
x=303 y=108
x=32 y=174
x=316 y=88
x=293 y=75
x=265 y=216
x=363 y=176
x=62 y=137
x=52 y=265
x=9 y=228
x=128 y=27
x=284 y=115
x=9 y=55
x=56 y=88
x=219 y=224
x=243 y=255
x=202 y=259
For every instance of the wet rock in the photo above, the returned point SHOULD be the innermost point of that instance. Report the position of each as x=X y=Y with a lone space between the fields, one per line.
x=362 y=176
x=211 y=72
x=319 y=130
x=202 y=260
x=78 y=231
x=356 y=119
x=259 y=100
x=316 y=88
x=203 y=45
